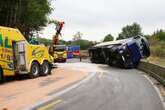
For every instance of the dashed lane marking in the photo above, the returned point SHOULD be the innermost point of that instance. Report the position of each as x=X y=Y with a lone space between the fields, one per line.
x=52 y=104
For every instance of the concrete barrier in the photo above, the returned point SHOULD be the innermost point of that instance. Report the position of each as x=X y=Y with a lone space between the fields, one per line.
x=154 y=70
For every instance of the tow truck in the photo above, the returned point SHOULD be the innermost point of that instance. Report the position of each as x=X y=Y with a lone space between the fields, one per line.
x=17 y=56
x=53 y=49
x=60 y=53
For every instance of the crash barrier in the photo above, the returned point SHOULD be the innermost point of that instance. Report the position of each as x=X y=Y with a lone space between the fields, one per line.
x=156 y=71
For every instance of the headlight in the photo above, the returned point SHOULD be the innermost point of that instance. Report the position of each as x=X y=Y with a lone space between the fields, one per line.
x=121 y=51
x=124 y=47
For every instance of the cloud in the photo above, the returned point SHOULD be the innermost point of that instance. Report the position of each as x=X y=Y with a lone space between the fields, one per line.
x=96 y=18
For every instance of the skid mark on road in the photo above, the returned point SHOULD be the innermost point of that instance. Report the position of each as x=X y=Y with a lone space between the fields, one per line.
x=50 y=81
x=52 y=104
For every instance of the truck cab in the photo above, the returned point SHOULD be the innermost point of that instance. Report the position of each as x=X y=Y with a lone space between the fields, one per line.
x=60 y=53
x=125 y=53
x=17 y=56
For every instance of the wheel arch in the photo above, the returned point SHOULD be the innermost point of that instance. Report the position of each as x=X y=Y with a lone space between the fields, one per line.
x=34 y=60
x=45 y=60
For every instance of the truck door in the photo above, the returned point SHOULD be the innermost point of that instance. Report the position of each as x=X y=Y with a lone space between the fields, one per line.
x=19 y=56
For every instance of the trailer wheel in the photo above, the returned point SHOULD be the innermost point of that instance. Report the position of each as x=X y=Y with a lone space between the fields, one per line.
x=35 y=69
x=46 y=69
x=1 y=76
x=110 y=63
x=127 y=64
x=63 y=61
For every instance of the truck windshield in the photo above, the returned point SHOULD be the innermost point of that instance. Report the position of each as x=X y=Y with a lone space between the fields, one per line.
x=33 y=41
x=59 y=48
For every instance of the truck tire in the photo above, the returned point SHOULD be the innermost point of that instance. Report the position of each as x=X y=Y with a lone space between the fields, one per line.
x=128 y=64
x=64 y=60
x=110 y=62
x=46 y=69
x=34 y=71
x=1 y=76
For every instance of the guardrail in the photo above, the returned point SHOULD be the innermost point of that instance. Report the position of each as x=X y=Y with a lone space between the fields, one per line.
x=156 y=71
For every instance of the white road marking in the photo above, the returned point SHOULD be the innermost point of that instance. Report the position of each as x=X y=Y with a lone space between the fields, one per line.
x=42 y=102
x=157 y=90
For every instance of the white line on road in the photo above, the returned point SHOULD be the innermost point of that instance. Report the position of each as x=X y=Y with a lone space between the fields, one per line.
x=50 y=98
x=157 y=90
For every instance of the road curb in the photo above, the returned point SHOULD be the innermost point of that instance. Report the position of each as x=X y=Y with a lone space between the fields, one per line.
x=54 y=96
x=156 y=71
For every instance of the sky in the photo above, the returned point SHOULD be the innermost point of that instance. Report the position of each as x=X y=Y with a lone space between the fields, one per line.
x=97 y=18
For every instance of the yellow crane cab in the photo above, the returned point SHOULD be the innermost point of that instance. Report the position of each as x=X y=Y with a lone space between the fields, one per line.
x=60 y=53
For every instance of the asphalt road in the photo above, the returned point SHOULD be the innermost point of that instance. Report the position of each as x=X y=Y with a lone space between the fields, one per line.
x=110 y=89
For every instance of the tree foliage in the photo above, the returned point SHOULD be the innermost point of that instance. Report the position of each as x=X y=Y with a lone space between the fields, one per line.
x=84 y=44
x=77 y=36
x=108 y=37
x=130 y=31
x=26 y=15
x=44 y=41
x=160 y=34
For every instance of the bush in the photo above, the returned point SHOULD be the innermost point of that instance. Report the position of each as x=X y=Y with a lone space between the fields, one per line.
x=158 y=52
x=157 y=47
x=160 y=34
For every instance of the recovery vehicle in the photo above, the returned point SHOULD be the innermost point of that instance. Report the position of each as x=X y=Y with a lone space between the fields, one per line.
x=17 y=56
x=58 y=56
x=60 y=53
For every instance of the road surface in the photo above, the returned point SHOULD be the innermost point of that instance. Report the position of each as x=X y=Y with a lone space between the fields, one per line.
x=20 y=92
x=110 y=89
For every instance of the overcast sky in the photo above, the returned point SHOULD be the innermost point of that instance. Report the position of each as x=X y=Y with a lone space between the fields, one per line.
x=97 y=18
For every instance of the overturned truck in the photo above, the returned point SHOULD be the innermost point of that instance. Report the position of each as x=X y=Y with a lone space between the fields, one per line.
x=124 y=53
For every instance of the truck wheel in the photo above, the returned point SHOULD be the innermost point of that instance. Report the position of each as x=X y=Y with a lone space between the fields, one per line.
x=64 y=60
x=110 y=63
x=34 y=71
x=128 y=64
x=46 y=69
x=1 y=76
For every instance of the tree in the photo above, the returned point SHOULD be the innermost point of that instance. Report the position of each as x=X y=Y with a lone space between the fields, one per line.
x=26 y=15
x=108 y=37
x=77 y=36
x=62 y=42
x=44 y=41
x=130 y=31
x=84 y=44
